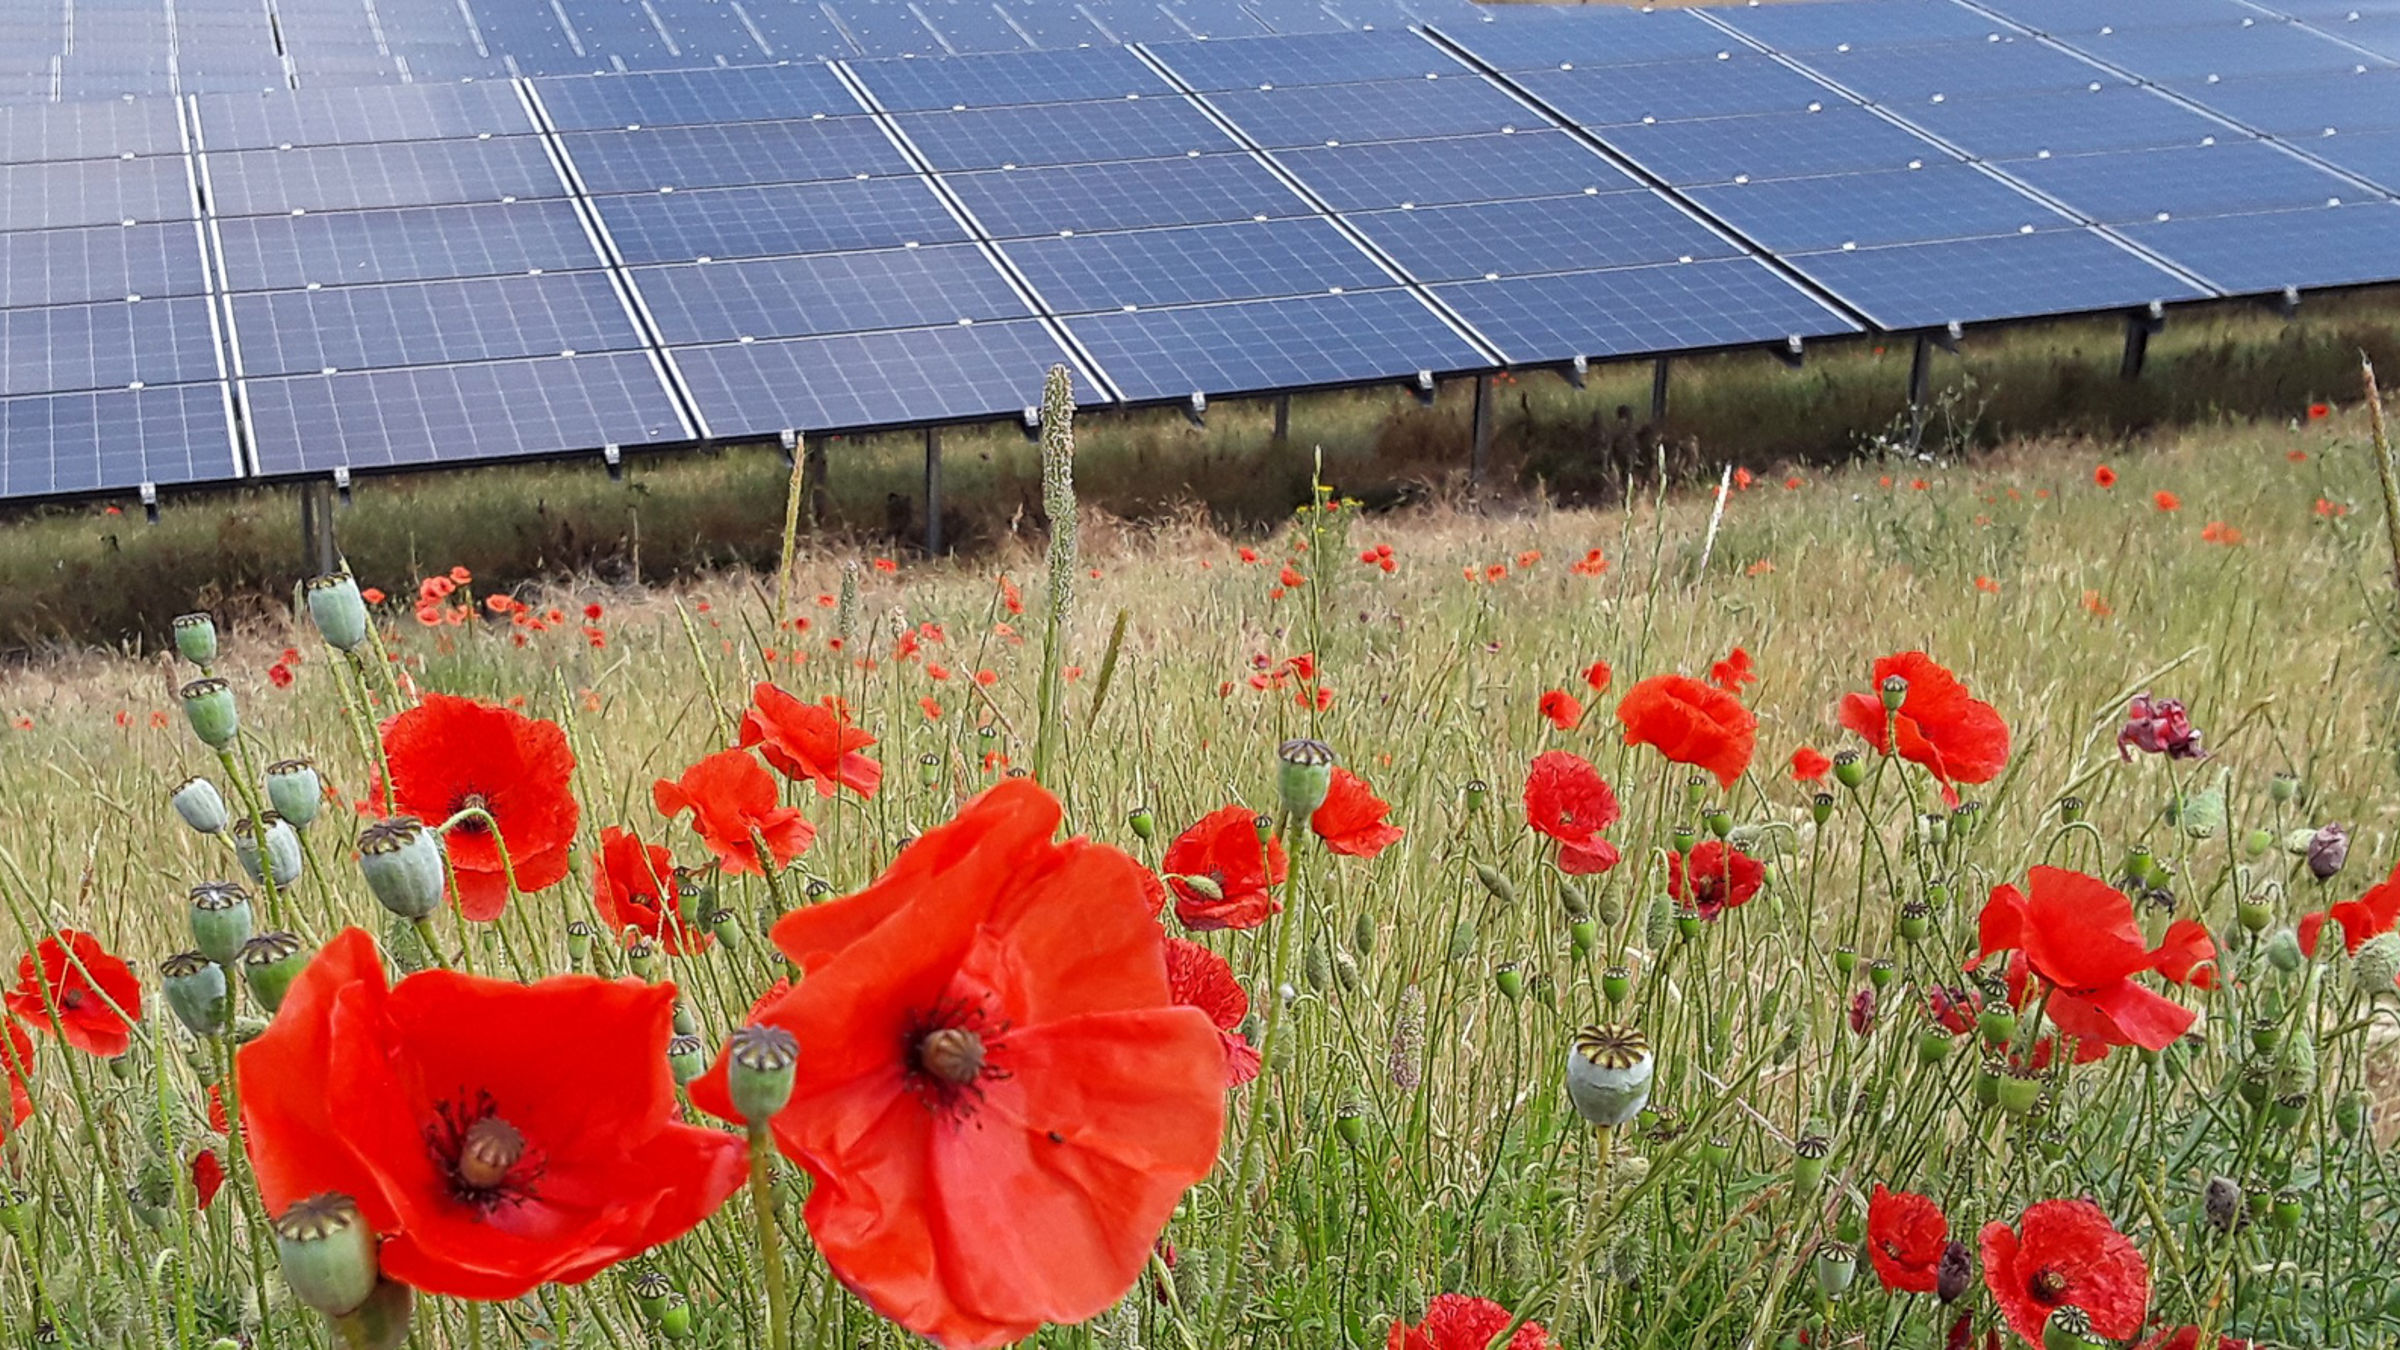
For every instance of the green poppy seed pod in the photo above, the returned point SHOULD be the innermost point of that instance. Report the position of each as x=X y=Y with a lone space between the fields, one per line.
x=1585 y=934
x=200 y=804
x=642 y=955
x=726 y=925
x=402 y=861
x=687 y=1058
x=196 y=639
x=221 y=920
x=2069 y=1328
x=208 y=706
x=195 y=989
x=381 y=1323
x=2282 y=788
x=1688 y=923
x=2257 y=843
x=1475 y=791
x=1998 y=1025
x=295 y=791
x=2256 y=1200
x=1916 y=920
x=1264 y=824
x=270 y=962
x=1895 y=692
x=2350 y=1113
x=2288 y=1112
x=686 y=1022
x=1719 y=822
x=1848 y=769
x=1820 y=807
x=2375 y=969
x=1571 y=898
x=338 y=610
x=1350 y=1124
x=1716 y=1150
x=1808 y=1161
x=579 y=943
x=2283 y=951
x=650 y=1290
x=1836 y=1266
x=1616 y=984
x=281 y=856
x=1609 y=1072
x=1303 y=775
x=328 y=1253
x=2286 y=1211
x=1684 y=837
x=758 y=1071
x=2255 y=1082
x=1987 y=1083
x=2019 y=1093
x=1934 y=828
x=2140 y=867
x=2265 y=1034
x=2254 y=913
x=675 y=1320
x=1936 y=894
x=1881 y=973
x=1509 y=981
x=1695 y=789
x=1496 y=882
x=2070 y=809
x=1143 y=823
x=1845 y=960
x=1933 y=1045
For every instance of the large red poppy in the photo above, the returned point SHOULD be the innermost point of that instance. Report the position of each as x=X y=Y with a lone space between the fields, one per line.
x=1224 y=848
x=730 y=799
x=1906 y=1236
x=1351 y=820
x=449 y=754
x=2370 y=915
x=1956 y=737
x=2066 y=1252
x=1691 y=723
x=1199 y=978
x=2078 y=934
x=1458 y=1322
x=1715 y=878
x=71 y=986
x=633 y=886
x=1567 y=800
x=498 y=1136
x=988 y=1033
x=812 y=741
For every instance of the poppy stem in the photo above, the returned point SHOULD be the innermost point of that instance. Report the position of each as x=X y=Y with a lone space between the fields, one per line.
x=762 y=1199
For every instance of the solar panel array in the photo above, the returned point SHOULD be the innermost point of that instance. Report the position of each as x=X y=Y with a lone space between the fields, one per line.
x=393 y=265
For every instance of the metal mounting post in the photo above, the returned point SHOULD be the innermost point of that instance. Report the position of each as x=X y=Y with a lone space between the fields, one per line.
x=318 y=552
x=1482 y=450
x=933 y=491
x=1920 y=385
x=1658 y=392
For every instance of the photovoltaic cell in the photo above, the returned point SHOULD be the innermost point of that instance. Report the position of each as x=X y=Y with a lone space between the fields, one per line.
x=1943 y=201
x=826 y=293
x=1127 y=194
x=1185 y=265
x=1062 y=133
x=695 y=97
x=1259 y=345
x=1002 y=80
x=101 y=262
x=357 y=114
x=430 y=323
x=2016 y=276
x=115 y=439
x=400 y=173
x=2084 y=16
x=2221 y=51
x=2304 y=106
x=1310 y=58
x=2186 y=181
x=2262 y=253
x=1907 y=77
x=1295 y=16
x=1832 y=25
x=1741 y=82
x=768 y=221
x=94 y=192
x=44 y=131
x=410 y=243
x=2369 y=154
x=867 y=380
x=2377 y=33
x=2067 y=122
x=1634 y=311
x=1454 y=169
x=1390 y=110
x=732 y=154
x=110 y=345
x=1536 y=37
x=1542 y=234
x=1837 y=138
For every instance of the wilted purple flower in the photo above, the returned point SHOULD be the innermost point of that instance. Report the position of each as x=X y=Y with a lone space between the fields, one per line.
x=1951 y=1277
x=2158 y=726
x=2328 y=849
x=1862 y=1011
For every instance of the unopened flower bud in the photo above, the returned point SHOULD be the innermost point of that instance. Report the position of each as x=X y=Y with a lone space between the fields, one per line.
x=2375 y=968
x=1571 y=898
x=270 y=962
x=220 y=920
x=402 y=861
x=687 y=1058
x=758 y=1071
x=1609 y=1071
x=195 y=988
x=1303 y=775
x=1496 y=882
x=1848 y=769
x=339 y=611
x=2283 y=951
x=328 y=1253
x=2327 y=850
x=200 y=804
x=295 y=791
x=208 y=706
x=1143 y=824
x=196 y=638
x=1954 y=1273
x=2282 y=788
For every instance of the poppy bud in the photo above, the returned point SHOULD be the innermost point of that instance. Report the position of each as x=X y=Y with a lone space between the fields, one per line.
x=282 y=855
x=1496 y=882
x=1820 y=807
x=295 y=791
x=1933 y=1045
x=196 y=638
x=2283 y=951
x=1262 y=822
x=2327 y=850
x=650 y=1290
x=1916 y=920
x=1616 y=982
x=2265 y=1034
x=2286 y=1211
x=1585 y=934
x=1881 y=973
x=220 y=920
x=1462 y=940
x=1143 y=824
x=1609 y=1070
x=1659 y=924
x=1836 y=1266
x=1954 y=1272
x=1987 y=1082
x=1933 y=829
x=1848 y=769
x=195 y=989
x=1862 y=1012
x=687 y=1058
x=2070 y=1328
x=1845 y=960
x=1204 y=887
x=579 y=942
x=328 y=1253
x=758 y=1074
x=2020 y=1092
x=1570 y=899
x=338 y=610
x=2376 y=967
x=208 y=706
x=2350 y=1113
x=1694 y=789
x=402 y=861
x=1895 y=692
x=2282 y=788
x=1303 y=775
x=675 y=1319
x=270 y=962
x=1350 y=1124
x=1476 y=790
x=200 y=804
x=1808 y=1161
x=1509 y=981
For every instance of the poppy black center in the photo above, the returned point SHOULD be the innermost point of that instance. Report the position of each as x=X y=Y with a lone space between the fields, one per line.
x=70 y=1000
x=2048 y=1286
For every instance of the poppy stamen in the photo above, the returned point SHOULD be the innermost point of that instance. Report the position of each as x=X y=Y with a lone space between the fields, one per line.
x=2048 y=1286
x=485 y=1159
x=949 y=1053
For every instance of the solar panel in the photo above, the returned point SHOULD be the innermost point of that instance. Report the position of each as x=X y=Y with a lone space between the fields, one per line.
x=2013 y=276
x=1142 y=21
x=871 y=379
x=2377 y=33
x=762 y=222
x=343 y=116
x=1542 y=234
x=2308 y=105
x=110 y=345
x=2334 y=11
x=2185 y=181
x=95 y=192
x=2369 y=154
x=2221 y=51
x=101 y=262
x=826 y=293
x=1127 y=194
x=1389 y=110
x=1540 y=37
x=429 y=323
x=425 y=416
x=399 y=173
x=2084 y=16
x=1143 y=269
x=694 y=97
x=1062 y=133
x=1846 y=25
x=1909 y=77
x=732 y=154
x=1454 y=169
x=2066 y=122
x=1295 y=16
x=1838 y=138
x=42 y=131
x=1633 y=311
x=1728 y=86
x=1943 y=201
x=410 y=243
x=2262 y=253
x=1311 y=58
x=1261 y=345
x=1008 y=79
x=115 y=439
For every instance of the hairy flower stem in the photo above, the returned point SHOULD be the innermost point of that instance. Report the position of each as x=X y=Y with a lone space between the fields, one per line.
x=762 y=1201
x=1058 y=502
x=1278 y=970
x=2386 y=473
x=240 y=775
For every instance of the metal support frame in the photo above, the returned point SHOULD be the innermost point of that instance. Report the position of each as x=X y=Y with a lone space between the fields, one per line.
x=1283 y=418
x=319 y=554
x=1920 y=389
x=1658 y=392
x=933 y=491
x=1482 y=451
x=812 y=472
x=2137 y=349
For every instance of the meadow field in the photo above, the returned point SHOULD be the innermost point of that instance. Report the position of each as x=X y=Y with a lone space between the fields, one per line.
x=1546 y=950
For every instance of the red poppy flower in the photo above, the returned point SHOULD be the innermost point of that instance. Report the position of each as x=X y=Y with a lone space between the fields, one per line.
x=1351 y=820
x=2077 y=933
x=810 y=741
x=72 y=987
x=2067 y=1252
x=279 y=675
x=1458 y=1322
x=1568 y=800
x=1691 y=723
x=2187 y=1338
x=218 y=1120
x=448 y=754
x=1809 y=764
x=1199 y=978
x=1733 y=672
x=208 y=1175
x=2104 y=476
x=2166 y=501
x=633 y=886
x=16 y=1065
x=989 y=1031
x=2370 y=915
x=1715 y=878
x=1224 y=848
x=376 y=1092
x=2188 y=955
x=1597 y=675
x=730 y=797
x=1561 y=709
x=1956 y=737
x=1906 y=1235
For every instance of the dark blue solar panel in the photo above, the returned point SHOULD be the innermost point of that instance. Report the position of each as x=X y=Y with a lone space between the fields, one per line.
x=341 y=248
x=2066 y=122
x=430 y=323
x=694 y=97
x=1311 y=58
x=1187 y=265
x=1543 y=234
x=401 y=173
x=1635 y=311
x=410 y=112
x=2186 y=181
x=1128 y=194
x=1260 y=345
x=42 y=131
x=116 y=439
x=1295 y=16
x=1834 y=25
x=1008 y=79
x=767 y=221
x=827 y=293
x=1741 y=82
x=1043 y=24
x=2335 y=11
x=2221 y=51
x=873 y=379
x=2262 y=253
x=1907 y=77
x=1400 y=13
x=1945 y=201
x=1454 y=169
x=102 y=262
x=2369 y=154
x=732 y=154
x=1062 y=133
x=1153 y=21
x=1541 y=37
x=1392 y=110
x=1838 y=138
x=94 y=192
x=110 y=345
x=2011 y=276
x=2085 y=16
x=890 y=28
x=2378 y=33
x=424 y=416
x=2303 y=106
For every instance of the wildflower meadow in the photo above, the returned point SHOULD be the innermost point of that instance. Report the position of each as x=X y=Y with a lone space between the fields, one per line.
x=1934 y=903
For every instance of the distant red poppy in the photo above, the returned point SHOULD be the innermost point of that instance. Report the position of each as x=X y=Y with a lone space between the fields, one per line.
x=70 y=986
x=2104 y=476
x=2370 y=915
x=1567 y=800
x=1733 y=672
x=279 y=675
x=811 y=741
x=16 y=1065
x=1691 y=723
x=989 y=1029
x=2318 y=412
x=1809 y=764
x=2166 y=501
x=1561 y=709
x=498 y=1136
x=208 y=1176
x=1955 y=736
x=2067 y=1252
x=1351 y=819
x=633 y=886
x=1593 y=563
x=730 y=797
x=1458 y=1322
x=1224 y=848
x=449 y=754
x=1597 y=675
x=1199 y=978
x=1715 y=878
x=2077 y=933
x=1906 y=1235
